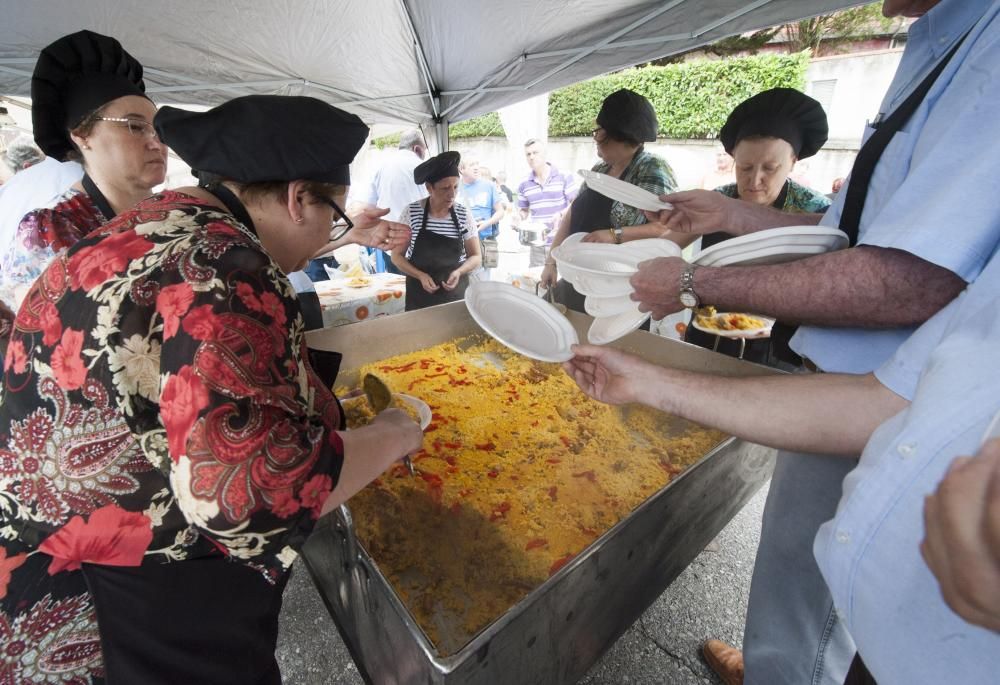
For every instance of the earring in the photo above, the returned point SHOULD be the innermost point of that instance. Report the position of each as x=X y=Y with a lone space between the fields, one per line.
x=299 y=220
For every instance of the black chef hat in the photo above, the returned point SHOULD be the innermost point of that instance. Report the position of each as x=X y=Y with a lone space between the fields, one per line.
x=74 y=76
x=778 y=113
x=258 y=138
x=625 y=113
x=436 y=168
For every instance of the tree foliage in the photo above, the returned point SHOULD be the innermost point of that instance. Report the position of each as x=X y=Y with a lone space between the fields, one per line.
x=856 y=23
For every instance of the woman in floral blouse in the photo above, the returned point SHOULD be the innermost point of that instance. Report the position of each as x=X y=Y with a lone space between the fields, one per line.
x=165 y=444
x=89 y=105
x=766 y=135
x=626 y=121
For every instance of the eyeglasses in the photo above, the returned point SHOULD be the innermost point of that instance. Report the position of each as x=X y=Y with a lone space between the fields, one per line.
x=340 y=226
x=599 y=134
x=137 y=127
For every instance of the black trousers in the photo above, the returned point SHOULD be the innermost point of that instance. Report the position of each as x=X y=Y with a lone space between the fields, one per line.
x=208 y=621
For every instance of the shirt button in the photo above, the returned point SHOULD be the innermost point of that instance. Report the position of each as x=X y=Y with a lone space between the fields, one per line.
x=843 y=537
x=907 y=449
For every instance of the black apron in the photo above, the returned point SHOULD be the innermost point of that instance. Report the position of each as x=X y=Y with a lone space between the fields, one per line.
x=590 y=211
x=773 y=351
x=436 y=255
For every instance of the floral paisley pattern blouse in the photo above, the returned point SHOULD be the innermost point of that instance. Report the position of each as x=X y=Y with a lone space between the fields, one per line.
x=41 y=235
x=794 y=197
x=157 y=405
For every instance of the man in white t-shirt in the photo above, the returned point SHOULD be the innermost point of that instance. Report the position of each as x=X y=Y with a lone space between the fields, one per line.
x=392 y=186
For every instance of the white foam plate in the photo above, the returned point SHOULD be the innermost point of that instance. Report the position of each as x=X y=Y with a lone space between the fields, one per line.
x=626 y=193
x=583 y=257
x=592 y=285
x=632 y=252
x=773 y=246
x=609 y=306
x=526 y=324
x=423 y=410
x=609 y=328
x=748 y=333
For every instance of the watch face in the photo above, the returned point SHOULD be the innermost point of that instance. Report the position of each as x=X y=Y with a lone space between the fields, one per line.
x=688 y=298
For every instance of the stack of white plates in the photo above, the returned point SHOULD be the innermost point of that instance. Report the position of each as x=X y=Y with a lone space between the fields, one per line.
x=601 y=273
x=773 y=246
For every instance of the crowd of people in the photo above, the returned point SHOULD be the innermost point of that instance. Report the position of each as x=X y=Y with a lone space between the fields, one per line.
x=167 y=440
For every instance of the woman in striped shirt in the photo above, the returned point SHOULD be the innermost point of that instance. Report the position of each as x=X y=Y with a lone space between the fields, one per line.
x=444 y=247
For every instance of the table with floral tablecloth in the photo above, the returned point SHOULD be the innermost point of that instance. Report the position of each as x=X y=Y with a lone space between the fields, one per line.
x=348 y=300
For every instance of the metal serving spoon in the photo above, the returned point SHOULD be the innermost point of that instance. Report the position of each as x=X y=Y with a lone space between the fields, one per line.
x=380 y=397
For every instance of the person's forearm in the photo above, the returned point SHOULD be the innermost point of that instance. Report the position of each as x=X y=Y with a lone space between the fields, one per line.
x=495 y=219
x=562 y=232
x=641 y=231
x=470 y=264
x=524 y=213
x=867 y=287
x=368 y=451
x=753 y=217
x=822 y=413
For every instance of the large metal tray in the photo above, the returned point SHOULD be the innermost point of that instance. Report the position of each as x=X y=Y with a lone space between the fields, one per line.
x=560 y=629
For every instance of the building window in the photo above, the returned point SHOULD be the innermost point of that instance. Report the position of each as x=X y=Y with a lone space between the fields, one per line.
x=823 y=92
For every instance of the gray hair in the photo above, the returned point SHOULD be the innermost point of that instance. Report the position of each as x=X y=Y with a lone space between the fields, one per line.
x=21 y=154
x=410 y=139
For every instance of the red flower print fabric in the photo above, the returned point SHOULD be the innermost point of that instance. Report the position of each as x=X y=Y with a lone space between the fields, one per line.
x=157 y=406
x=67 y=362
x=111 y=536
x=183 y=398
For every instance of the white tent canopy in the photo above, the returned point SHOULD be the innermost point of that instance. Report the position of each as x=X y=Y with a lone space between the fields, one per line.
x=390 y=61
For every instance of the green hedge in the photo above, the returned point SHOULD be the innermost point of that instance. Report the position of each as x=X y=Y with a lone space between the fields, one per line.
x=479 y=127
x=692 y=99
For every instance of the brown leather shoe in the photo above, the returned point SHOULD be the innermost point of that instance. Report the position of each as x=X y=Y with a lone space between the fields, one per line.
x=725 y=660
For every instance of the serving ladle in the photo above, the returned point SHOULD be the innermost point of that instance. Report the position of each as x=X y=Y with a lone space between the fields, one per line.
x=380 y=397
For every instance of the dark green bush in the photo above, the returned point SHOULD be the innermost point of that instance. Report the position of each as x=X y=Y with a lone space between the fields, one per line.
x=692 y=99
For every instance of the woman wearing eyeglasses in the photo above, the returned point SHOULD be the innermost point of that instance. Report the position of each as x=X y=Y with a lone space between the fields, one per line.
x=166 y=443
x=88 y=105
x=626 y=121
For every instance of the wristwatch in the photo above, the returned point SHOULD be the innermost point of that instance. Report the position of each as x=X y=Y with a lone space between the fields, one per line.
x=688 y=297
x=618 y=234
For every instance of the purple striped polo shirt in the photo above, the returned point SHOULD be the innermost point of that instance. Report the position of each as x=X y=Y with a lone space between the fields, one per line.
x=546 y=201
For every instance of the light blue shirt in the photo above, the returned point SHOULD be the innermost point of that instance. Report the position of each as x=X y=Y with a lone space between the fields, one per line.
x=869 y=553
x=934 y=191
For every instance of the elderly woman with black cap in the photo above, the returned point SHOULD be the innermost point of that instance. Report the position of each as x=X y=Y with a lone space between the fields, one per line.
x=625 y=122
x=766 y=134
x=444 y=245
x=165 y=442
x=88 y=105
